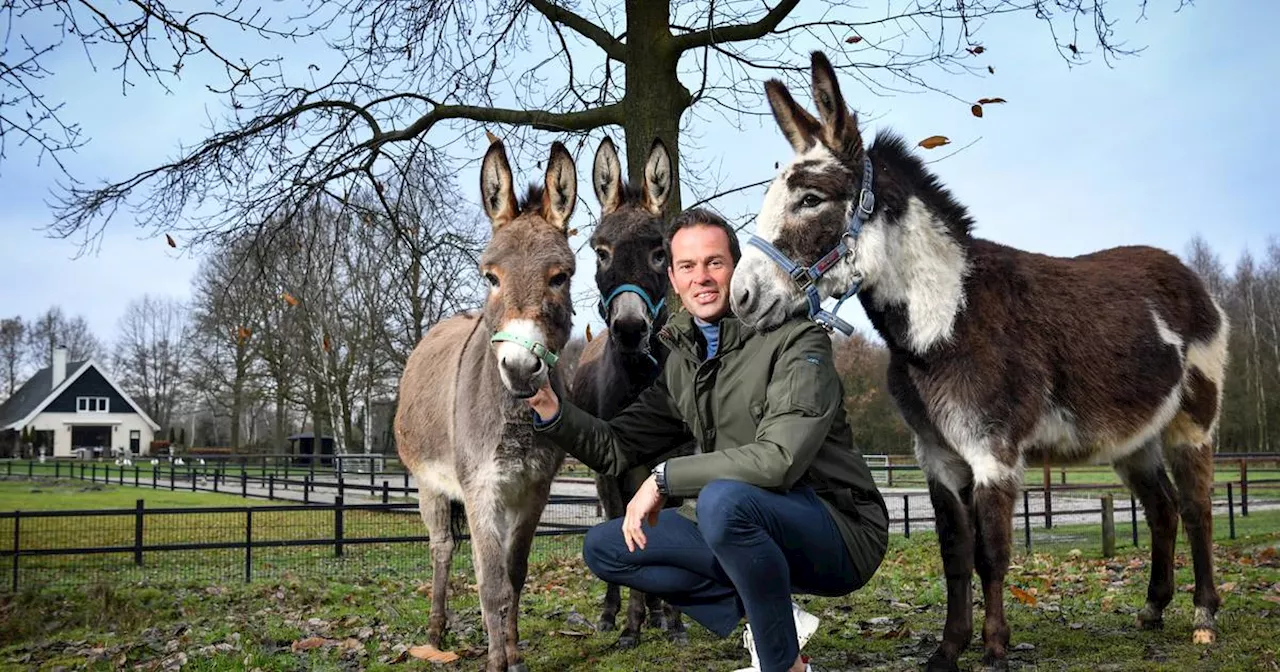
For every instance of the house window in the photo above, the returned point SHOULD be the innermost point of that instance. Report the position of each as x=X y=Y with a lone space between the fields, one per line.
x=92 y=405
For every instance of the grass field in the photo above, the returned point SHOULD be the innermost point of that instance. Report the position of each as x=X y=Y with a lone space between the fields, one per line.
x=363 y=611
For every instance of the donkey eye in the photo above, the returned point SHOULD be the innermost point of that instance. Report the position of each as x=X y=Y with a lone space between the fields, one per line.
x=810 y=201
x=492 y=279
x=658 y=258
x=602 y=254
x=558 y=280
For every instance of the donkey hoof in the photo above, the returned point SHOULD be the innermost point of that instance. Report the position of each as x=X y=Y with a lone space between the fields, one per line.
x=678 y=637
x=628 y=641
x=1150 y=619
x=939 y=662
x=992 y=664
x=605 y=626
x=1204 y=636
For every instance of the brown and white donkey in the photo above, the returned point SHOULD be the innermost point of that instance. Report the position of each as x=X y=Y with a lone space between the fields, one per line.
x=998 y=356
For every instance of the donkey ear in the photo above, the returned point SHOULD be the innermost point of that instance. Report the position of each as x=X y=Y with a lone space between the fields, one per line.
x=657 y=178
x=839 y=126
x=561 y=194
x=606 y=177
x=798 y=125
x=496 y=187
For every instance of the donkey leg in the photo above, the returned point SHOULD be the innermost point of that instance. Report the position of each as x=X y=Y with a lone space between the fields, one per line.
x=487 y=519
x=993 y=521
x=674 y=623
x=955 y=541
x=1192 y=467
x=636 y=605
x=611 y=501
x=1144 y=473
x=434 y=508
x=522 y=534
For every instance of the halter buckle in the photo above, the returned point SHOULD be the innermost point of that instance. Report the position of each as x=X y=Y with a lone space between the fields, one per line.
x=866 y=201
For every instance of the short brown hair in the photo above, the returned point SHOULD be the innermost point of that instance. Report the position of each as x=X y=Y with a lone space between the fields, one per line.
x=701 y=217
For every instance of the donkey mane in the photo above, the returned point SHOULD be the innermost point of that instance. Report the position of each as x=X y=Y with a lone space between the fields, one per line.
x=900 y=174
x=532 y=200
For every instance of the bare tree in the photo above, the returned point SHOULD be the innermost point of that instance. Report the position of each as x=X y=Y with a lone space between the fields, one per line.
x=150 y=354
x=52 y=329
x=436 y=71
x=13 y=343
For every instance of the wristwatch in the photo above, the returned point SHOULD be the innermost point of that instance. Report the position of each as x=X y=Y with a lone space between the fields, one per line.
x=660 y=477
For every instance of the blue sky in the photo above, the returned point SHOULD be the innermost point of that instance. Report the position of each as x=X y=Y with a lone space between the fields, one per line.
x=1176 y=141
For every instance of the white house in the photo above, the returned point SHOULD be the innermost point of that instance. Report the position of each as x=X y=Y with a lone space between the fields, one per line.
x=73 y=405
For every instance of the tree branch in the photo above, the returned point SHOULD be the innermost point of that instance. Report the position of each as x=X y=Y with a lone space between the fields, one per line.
x=542 y=120
x=556 y=14
x=736 y=33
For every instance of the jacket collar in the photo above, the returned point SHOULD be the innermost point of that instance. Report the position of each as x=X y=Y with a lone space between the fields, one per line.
x=680 y=334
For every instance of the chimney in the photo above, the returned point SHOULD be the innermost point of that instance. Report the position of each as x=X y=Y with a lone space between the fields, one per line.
x=59 y=366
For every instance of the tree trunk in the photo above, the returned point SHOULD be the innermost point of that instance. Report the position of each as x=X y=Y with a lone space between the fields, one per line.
x=655 y=98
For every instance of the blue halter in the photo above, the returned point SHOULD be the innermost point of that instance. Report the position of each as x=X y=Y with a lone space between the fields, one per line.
x=807 y=277
x=654 y=308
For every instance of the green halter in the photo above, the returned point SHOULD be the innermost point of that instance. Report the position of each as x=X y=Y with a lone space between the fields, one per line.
x=539 y=350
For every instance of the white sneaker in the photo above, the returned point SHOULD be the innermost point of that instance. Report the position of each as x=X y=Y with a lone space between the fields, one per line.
x=806 y=625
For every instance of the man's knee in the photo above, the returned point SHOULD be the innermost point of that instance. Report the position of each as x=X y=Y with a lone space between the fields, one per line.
x=601 y=548
x=722 y=505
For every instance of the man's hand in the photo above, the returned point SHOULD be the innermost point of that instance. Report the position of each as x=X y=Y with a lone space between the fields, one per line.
x=544 y=402
x=646 y=504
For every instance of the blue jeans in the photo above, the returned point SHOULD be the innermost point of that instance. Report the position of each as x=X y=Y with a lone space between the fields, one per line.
x=749 y=551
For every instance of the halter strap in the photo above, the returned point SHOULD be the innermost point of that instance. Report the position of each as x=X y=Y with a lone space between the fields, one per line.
x=539 y=350
x=807 y=277
x=654 y=308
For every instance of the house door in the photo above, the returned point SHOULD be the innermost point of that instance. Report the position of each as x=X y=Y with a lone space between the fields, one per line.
x=135 y=441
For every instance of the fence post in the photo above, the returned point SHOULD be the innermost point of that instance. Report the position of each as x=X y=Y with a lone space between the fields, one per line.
x=386 y=495
x=888 y=469
x=1108 y=526
x=286 y=474
x=271 y=487
x=191 y=474
x=244 y=485
x=171 y=483
x=153 y=477
x=248 y=543
x=1133 y=518
x=137 y=475
x=306 y=489
x=93 y=473
x=17 y=547
x=906 y=516
x=137 y=535
x=1026 y=516
x=406 y=489
x=1231 y=510
x=122 y=474
x=337 y=526
x=1244 y=489
x=1048 y=495
x=341 y=485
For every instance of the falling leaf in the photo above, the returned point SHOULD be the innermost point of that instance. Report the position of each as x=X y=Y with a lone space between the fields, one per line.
x=328 y=345
x=289 y=299
x=169 y=239
x=1023 y=596
x=243 y=334
x=934 y=141
x=988 y=101
x=976 y=49
x=492 y=138
x=853 y=39
x=309 y=643
x=588 y=333
x=991 y=69
x=976 y=110
x=571 y=233
x=431 y=654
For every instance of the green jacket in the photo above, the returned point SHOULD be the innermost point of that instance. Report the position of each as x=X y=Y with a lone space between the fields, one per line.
x=767 y=409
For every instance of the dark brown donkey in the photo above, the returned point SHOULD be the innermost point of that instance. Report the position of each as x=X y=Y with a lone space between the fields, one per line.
x=631 y=274
x=999 y=357
x=463 y=427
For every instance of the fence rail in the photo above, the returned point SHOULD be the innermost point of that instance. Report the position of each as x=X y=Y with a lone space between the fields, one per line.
x=329 y=519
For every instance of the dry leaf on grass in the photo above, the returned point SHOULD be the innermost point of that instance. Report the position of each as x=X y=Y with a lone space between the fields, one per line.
x=432 y=655
x=308 y=644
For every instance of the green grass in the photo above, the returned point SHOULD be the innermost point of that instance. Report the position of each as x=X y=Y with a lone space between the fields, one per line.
x=41 y=495
x=1076 y=611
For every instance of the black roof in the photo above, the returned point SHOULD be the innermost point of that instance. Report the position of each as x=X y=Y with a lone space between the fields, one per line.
x=32 y=394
